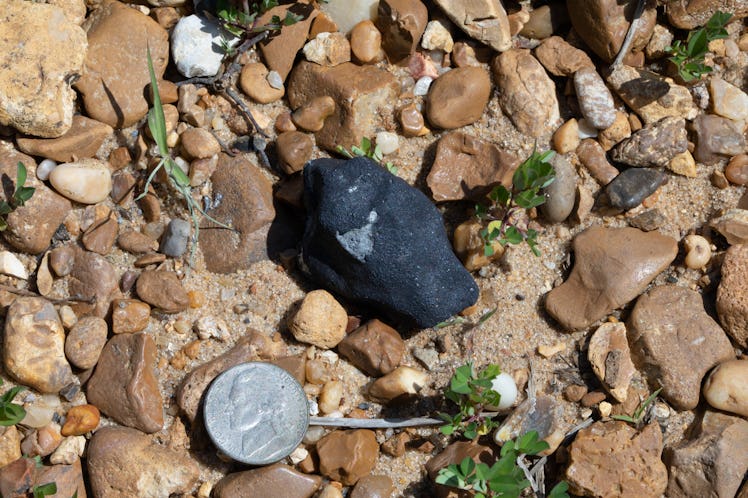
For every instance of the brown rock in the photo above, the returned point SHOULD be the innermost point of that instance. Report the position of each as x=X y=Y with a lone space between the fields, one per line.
x=372 y=486
x=402 y=381
x=247 y=207
x=469 y=246
x=592 y=156
x=545 y=20
x=83 y=139
x=593 y=398
x=733 y=225
x=61 y=260
x=347 y=456
x=543 y=414
x=123 y=463
x=81 y=419
x=615 y=133
x=561 y=58
x=458 y=97
x=527 y=95
x=253 y=81
x=85 y=341
x=737 y=170
x=575 y=392
x=365 y=95
x=395 y=446
x=100 y=236
x=610 y=358
x=129 y=316
x=716 y=138
x=268 y=481
x=279 y=51
x=412 y=121
x=68 y=478
x=467 y=167
x=45 y=50
x=136 y=242
x=674 y=342
x=46 y=208
x=42 y=441
x=311 y=115
x=114 y=73
x=124 y=385
x=366 y=42
x=328 y=49
x=295 y=365
x=322 y=24
x=612 y=459
x=10 y=445
x=320 y=320
x=402 y=23
x=147 y=260
x=375 y=348
x=603 y=24
x=198 y=143
x=294 y=150
x=92 y=277
x=33 y=345
x=713 y=462
x=252 y=346
x=123 y=185
x=162 y=289
x=612 y=266
x=655 y=145
x=16 y=478
x=650 y=95
x=202 y=169
x=732 y=295
x=690 y=14
x=484 y=20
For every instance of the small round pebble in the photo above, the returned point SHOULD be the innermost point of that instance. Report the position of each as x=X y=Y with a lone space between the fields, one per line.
x=366 y=42
x=45 y=168
x=387 y=142
x=698 y=251
x=85 y=341
x=737 y=170
x=256 y=82
x=726 y=387
x=566 y=137
x=80 y=420
x=87 y=181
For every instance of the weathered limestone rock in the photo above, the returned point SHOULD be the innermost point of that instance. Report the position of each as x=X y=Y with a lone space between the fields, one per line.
x=483 y=20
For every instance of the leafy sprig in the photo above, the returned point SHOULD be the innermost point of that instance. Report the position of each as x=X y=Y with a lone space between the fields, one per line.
x=11 y=413
x=472 y=392
x=507 y=217
x=43 y=490
x=640 y=411
x=505 y=478
x=689 y=56
x=241 y=23
x=20 y=195
x=367 y=149
x=178 y=178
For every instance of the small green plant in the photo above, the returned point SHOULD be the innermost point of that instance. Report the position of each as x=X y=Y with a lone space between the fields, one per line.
x=43 y=490
x=11 y=413
x=472 y=392
x=367 y=149
x=505 y=478
x=640 y=411
x=507 y=216
x=20 y=195
x=178 y=178
x=689 y=56
x=241 y=23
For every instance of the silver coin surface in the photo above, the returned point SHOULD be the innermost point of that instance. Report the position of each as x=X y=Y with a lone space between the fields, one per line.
x=256 y=413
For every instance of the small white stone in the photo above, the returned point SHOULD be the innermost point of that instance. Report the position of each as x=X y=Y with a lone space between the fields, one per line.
x=71 y=449
x=298 y=455
x=40 y=412
x=347 y=13
x=437 y=37
x=506 y=387
x=605 y=408
x=728 y=100
x=45 y=168
x=196 y=46
x=87 y=181
x=422 y=85
x=275 y=80
x=11 y=265
x=698 y=251
x=388 y=142
x=586 y=130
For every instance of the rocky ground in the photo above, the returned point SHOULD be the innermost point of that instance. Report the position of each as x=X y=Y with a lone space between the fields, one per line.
x=116 y=322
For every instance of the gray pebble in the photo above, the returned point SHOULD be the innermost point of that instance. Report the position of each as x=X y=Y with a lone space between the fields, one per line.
x=595 y=100
x=632 y=186
x=648 y=220
x=176 y=236
x=560 y=194
x=654 y=145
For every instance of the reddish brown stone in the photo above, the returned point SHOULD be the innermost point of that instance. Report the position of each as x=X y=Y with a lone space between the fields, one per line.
x=375 y=348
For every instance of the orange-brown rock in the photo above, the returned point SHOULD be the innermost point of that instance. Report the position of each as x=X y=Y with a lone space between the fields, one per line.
x=458 y=97
x=375 y=348
x=732 y=295
x=280 y=51
x=347 y=456
x=560 y=57
x=129 y=316
x=268 y=481
x=81 y=419
x=402 y=23
x=82 y=140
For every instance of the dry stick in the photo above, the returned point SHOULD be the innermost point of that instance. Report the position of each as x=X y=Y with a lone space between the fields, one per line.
x=629 y=34
x=28 y=293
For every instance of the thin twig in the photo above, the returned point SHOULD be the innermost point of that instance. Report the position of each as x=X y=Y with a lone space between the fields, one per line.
x=28 y=293
x=629 y=34
x=231 y=93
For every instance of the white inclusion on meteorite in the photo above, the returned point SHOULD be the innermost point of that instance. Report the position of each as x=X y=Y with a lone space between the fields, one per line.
x=358 y=242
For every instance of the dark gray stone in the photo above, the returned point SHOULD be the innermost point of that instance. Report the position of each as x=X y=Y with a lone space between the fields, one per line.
x=175 y=238
x=376 y=240
x=632 y=186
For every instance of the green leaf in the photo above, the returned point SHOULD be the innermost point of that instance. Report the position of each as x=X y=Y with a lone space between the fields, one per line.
x=20 y=175
x=11 y=414
x=560 y=490
x=467 y=466
x=11 y=394
x=512 y=236
x=156 y=121
x=529 y=199
x=44 y=490
x=500 y=195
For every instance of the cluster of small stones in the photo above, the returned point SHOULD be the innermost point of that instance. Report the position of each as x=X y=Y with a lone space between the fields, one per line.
x=113 y=333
